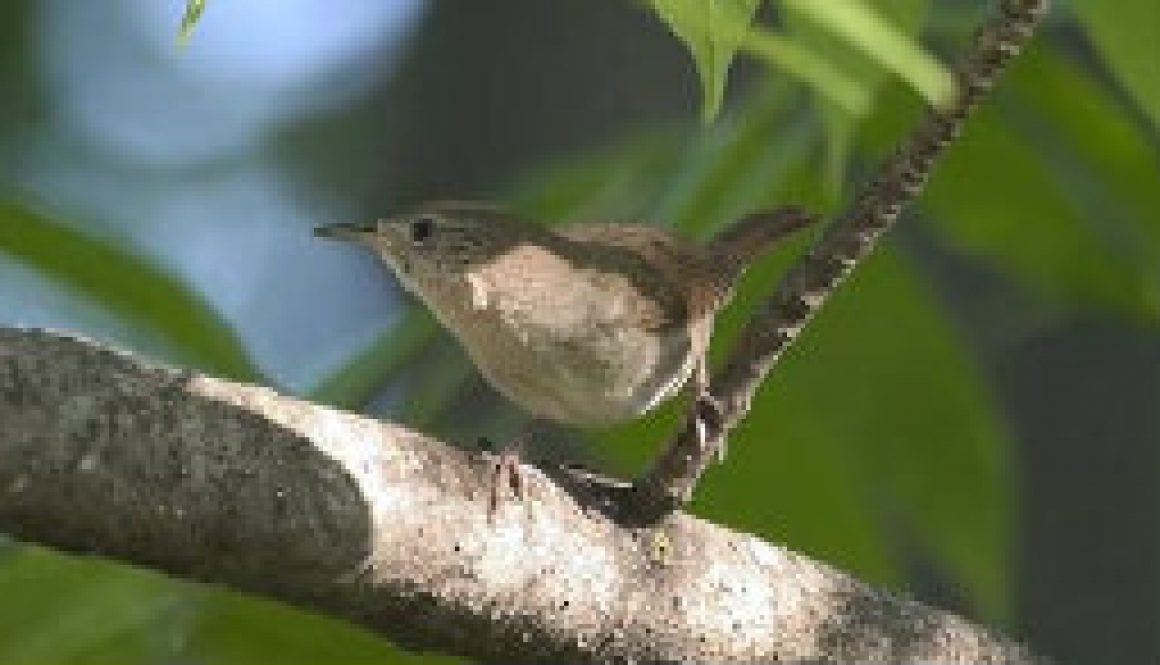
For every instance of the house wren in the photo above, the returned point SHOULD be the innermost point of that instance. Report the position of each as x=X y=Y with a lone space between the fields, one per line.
x=591 y=324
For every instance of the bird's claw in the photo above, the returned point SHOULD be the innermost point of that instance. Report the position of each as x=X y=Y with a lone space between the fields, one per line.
x=508 y=479
x=709 y=419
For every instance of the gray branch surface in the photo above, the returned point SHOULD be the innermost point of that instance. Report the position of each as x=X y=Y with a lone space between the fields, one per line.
x=234 y=484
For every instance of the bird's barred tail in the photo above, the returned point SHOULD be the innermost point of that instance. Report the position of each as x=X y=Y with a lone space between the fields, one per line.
x=755 y=234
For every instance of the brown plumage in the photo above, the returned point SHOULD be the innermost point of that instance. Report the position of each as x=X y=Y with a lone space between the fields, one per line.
x=590 y=324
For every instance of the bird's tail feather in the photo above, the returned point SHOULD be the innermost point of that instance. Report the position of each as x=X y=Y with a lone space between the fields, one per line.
x=755 y=234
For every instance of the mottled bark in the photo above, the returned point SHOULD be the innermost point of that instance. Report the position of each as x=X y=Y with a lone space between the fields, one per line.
x=233 y=484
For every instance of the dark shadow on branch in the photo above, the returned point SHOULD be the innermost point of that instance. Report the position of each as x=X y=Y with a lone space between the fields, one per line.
x=236 y=485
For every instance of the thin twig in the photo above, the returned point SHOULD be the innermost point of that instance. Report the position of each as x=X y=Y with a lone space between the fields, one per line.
x=672 y=479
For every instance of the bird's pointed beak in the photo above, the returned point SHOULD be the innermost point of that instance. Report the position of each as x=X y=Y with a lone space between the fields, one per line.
x=345 y=231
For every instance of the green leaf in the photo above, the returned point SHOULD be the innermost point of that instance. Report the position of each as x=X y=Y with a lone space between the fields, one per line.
x=128 y=285
x=712 y=30
x=67 y=609
x=234 y=628
x=189 y=19
x=1125 y=37
x=882 y=41
x=1094 y=146
x=904 y=19
x=800 y=61
x=1055 y=184
x=60 y=609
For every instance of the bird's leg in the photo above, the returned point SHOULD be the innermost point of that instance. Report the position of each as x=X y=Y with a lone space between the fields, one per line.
x=708 y=413
x=508 y=479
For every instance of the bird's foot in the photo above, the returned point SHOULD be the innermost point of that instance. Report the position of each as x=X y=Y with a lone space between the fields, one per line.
x=709 y=417
x=508 y=479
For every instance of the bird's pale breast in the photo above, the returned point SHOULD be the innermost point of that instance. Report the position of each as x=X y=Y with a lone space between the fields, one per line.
x=569 y=343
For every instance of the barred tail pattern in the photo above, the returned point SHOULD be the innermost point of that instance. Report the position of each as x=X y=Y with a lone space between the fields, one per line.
x=751 y=236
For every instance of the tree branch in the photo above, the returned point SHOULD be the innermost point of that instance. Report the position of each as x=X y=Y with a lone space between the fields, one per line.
x=807 y=285
x=234 y=484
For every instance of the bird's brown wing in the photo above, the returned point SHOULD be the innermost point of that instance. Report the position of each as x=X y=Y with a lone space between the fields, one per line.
x=683 y=272
x=681 y=265
x=670 y=277
x=654 y=242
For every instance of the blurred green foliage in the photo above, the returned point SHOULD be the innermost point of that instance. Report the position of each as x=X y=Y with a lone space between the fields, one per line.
x=715 y=30
x=712 y=30
x=189 y=18
x=109 y=272
x=877 y=434
x=1126 y=41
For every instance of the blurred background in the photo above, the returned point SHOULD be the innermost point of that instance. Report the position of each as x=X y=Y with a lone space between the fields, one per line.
x=973 y=420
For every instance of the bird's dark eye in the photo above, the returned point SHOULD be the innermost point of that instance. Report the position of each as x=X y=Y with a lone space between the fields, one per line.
x=421 y=230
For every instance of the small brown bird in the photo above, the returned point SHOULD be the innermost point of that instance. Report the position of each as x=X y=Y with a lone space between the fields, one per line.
x=590 y=324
